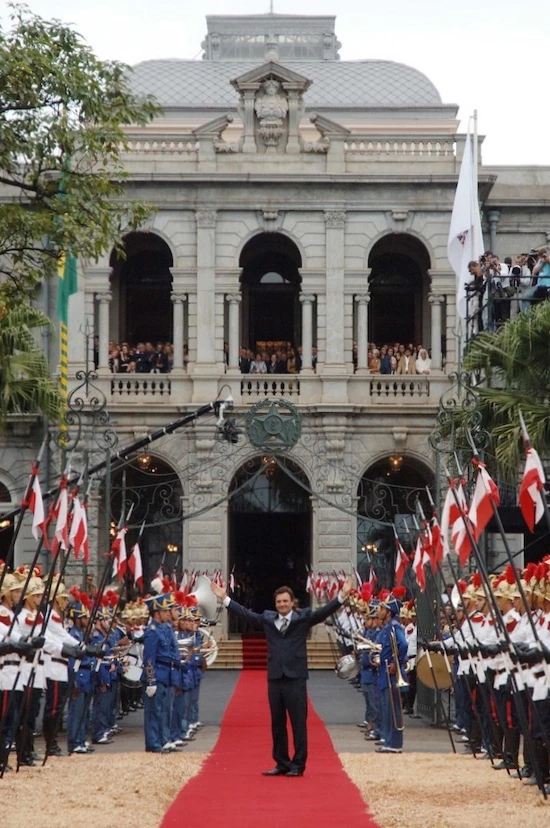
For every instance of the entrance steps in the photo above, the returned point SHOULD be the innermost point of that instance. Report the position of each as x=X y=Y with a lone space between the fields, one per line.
x=230 y=655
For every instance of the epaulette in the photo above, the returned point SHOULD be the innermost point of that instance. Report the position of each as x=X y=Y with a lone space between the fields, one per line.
x=57 y=618
x=477 y=617
x=5 y=618
x=511 y=625
x=492 y=622
x=152 y=626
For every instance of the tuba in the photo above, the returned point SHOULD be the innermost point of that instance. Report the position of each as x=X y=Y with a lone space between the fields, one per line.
x=206 y=600
x=400 y=684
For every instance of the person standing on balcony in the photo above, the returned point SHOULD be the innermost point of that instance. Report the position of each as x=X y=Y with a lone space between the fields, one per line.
x=406 y=363
x=423 y=363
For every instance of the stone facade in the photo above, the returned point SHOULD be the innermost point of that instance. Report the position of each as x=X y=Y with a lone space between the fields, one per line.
x=337 y=185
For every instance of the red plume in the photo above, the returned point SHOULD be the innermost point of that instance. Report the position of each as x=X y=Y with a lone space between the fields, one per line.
x=104 y=601
x=112 y=598
x=166 y=584
x=399 y=592
x=476 y=579
x=462 y=586
x=75 y=592
x=190 y=601
x=366 y=591
x=509 y=574
x=383 y=594
x=180 y=598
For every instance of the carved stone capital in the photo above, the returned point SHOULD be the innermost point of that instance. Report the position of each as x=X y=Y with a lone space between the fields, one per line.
x=206 y=218
x=178 y=297
x=435 y=298
x=270 y=220
x=234 y=298
x=335 y=219
x=362 y=298
x=104 y=297
x=306 y=298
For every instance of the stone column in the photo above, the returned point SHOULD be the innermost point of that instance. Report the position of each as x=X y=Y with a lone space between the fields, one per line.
x=104 y=302
x=178 y=301
x=206 y=258
x=249 y=142
x=307 y=300
x=334 y=237
x=493 y=218
x=436 y=301
x=362 y=301
x=234 y=300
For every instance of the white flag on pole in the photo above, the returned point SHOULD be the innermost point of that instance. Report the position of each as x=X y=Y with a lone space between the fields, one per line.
x=465 y=238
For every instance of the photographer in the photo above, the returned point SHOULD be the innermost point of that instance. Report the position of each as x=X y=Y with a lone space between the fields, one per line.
x=475 y=290
x=541 y=271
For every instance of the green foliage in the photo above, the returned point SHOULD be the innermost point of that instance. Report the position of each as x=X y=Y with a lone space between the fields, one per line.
x=25 y=382
x=515 y=361
x=62 y=118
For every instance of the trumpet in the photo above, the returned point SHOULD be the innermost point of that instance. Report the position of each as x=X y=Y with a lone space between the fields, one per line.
x=365 y=644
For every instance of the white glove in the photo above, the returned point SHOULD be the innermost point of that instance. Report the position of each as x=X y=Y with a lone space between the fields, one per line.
x=151 y=690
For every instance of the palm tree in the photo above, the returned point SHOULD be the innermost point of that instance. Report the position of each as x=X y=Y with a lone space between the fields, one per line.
x=26 y=386
x=515 y=365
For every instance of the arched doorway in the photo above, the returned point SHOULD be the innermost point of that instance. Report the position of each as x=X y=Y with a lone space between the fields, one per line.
x=398 y=286
x=270 y=282
x=6 y=524
x=387 y=497
x=269 y=533
x=142 y=282
x=152 y=489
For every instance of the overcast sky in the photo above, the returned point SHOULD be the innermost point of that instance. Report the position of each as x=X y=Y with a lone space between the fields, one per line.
x=489 y=55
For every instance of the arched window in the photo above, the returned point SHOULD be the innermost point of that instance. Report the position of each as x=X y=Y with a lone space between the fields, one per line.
x=399 y=286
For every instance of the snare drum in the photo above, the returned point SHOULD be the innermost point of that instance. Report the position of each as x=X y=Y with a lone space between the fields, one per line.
x=347 y=667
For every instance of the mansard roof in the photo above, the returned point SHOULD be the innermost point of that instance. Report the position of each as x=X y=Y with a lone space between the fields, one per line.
x=362 y=84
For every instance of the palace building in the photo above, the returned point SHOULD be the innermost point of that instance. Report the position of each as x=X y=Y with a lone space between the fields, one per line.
x=302 y=204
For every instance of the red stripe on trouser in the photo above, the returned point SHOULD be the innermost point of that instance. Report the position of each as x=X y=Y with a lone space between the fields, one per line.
x=5 y=699
x=493 y=709
x=509 y=715
x=55 y=698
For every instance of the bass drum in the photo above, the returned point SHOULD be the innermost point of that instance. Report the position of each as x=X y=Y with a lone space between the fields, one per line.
x=347 y=667
x=440 y=679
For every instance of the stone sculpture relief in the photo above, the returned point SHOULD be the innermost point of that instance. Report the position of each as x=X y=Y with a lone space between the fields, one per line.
x=271 y=107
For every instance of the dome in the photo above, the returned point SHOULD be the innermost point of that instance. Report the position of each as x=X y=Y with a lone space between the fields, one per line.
x=362 y=84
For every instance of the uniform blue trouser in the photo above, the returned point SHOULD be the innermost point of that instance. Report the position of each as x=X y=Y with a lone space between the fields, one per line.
x=157 y=714
x=100 y=714
x=390 y=716
x=76 y=720
x=194 y=704
x=176 y=719
x=372 y=707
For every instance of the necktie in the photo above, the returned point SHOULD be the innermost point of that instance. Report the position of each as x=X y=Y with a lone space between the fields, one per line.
x=284 y=626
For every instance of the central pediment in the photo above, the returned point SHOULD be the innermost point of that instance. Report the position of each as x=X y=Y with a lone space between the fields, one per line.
x=254 y=78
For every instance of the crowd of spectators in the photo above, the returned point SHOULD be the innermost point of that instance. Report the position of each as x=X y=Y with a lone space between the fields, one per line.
x=498 y=290
x=396 y=358
x=274 y=360
x=143 y=358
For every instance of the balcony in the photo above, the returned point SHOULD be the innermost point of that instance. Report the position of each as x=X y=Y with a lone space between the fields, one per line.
x=151 y=391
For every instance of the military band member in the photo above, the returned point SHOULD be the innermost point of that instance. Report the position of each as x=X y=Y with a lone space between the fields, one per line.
x=161 y=674
x=393 y=642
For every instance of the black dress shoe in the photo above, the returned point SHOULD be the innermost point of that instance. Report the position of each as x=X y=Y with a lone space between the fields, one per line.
x=276 y=772
x=295 y=772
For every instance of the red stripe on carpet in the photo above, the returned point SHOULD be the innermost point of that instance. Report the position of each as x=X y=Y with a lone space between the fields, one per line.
x=230 y=791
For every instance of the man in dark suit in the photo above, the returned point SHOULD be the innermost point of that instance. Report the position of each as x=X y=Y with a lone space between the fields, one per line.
x=286 y=631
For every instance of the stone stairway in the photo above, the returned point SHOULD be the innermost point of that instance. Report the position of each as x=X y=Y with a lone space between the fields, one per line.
x=230 y=656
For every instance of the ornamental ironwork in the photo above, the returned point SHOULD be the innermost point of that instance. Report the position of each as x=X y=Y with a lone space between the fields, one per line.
x=273 y=425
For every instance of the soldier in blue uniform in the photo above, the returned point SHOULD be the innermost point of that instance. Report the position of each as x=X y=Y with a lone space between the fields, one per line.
x=197 y=666
x=369 y=677
x=161 y=674
x=178 y=724
x=101 y=682
x=391 y=735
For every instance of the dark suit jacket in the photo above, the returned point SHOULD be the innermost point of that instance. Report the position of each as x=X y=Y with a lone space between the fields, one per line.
x=286 y=654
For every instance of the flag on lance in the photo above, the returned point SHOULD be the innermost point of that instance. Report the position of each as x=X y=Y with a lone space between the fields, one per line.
x=486 y=494
x=136 y=567
x=401 y=562
x=421 y=558
x=120 y=558
x=36 y=505
x=61 y=534
x=531 y=489
x=78 y=536
x=460 y=538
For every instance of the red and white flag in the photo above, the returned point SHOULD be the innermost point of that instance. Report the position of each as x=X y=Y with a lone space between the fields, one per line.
x=136 y=567
x=61 y=535
x=36 y=505
x=184 y=583
x=78 y=535
x=530 y=491
x=485 y=494
x=459 y=530
x=401 y=563
x=120 y=558
x=421 y=558
x=437 y=543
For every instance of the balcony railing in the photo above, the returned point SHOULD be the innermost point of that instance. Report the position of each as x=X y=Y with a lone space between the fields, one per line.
x=392 y=388
x=149 y=387
x=270 y=388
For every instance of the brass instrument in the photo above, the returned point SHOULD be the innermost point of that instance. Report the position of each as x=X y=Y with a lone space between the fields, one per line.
x=400 y=683
x=365 y=644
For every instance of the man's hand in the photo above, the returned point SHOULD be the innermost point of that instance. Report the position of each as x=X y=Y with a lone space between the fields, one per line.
x=347 y=587
x=219 y=591
x=151 y=690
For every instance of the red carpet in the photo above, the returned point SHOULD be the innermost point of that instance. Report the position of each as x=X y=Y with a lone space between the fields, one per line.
x=254 y=652
x=231 y=792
